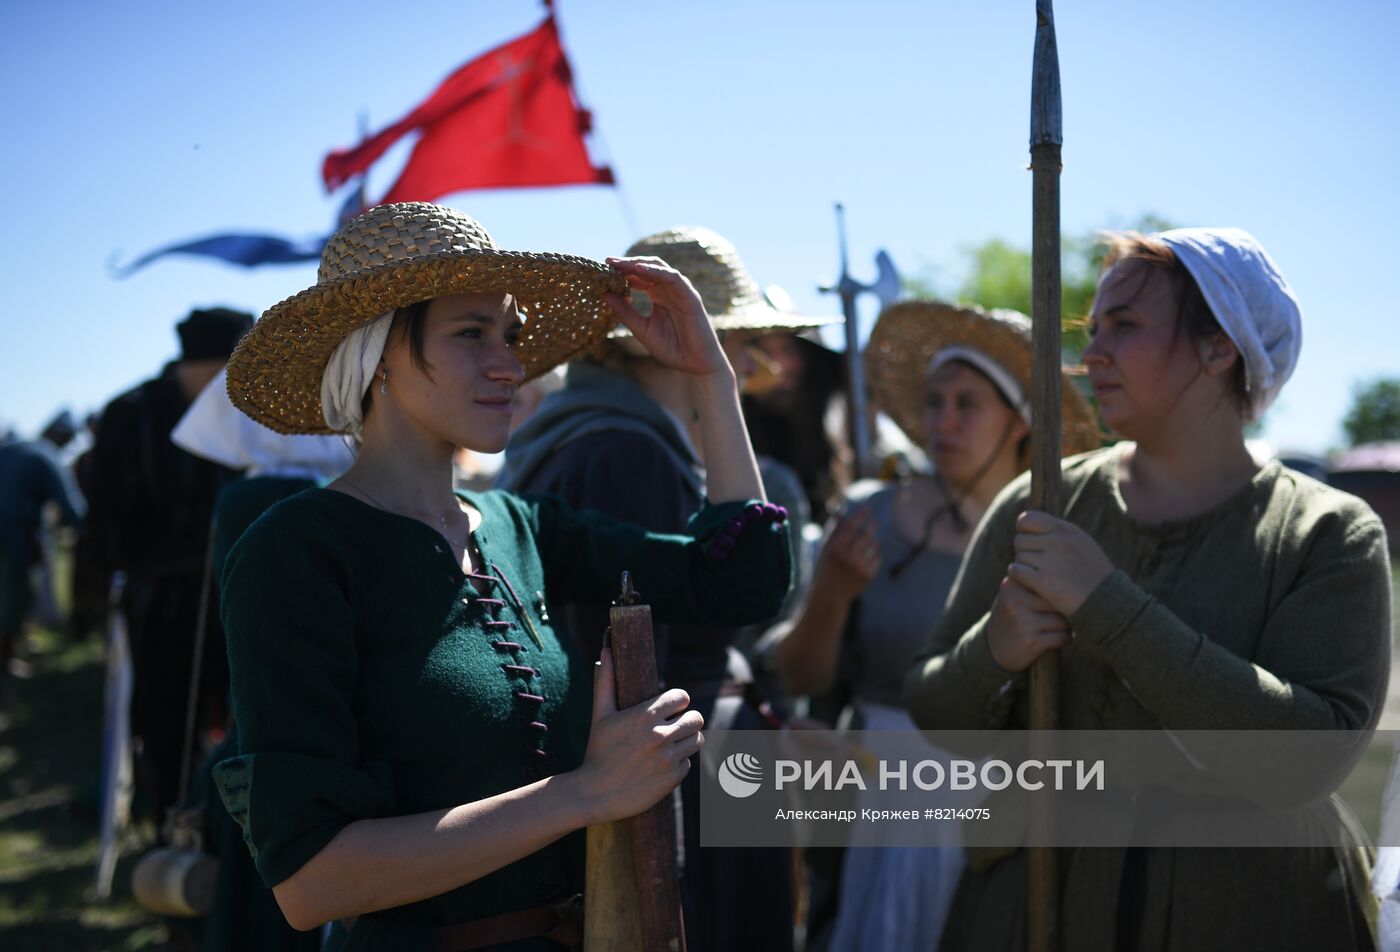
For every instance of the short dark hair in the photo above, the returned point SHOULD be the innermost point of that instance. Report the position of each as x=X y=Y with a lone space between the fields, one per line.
x=212 y=333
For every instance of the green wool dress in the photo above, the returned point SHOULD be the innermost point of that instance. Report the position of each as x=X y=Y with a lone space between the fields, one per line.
x=244 y=915
x=371 y=678
x=1271 y=611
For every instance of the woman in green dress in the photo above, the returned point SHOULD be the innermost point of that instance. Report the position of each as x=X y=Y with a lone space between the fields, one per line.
x=419 y=749
x=1187 y=587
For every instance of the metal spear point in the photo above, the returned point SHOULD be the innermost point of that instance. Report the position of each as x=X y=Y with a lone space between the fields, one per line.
x=887 y=289
x=1046 y=139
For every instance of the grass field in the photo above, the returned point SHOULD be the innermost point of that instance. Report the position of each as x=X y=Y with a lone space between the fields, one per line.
x=49 y=752
x=50 y=745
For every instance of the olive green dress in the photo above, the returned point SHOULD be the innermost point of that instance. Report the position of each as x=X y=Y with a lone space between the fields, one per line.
x=371 y=678
x=1270 y=611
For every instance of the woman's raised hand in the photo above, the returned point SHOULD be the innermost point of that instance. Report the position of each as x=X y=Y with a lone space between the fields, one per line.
x=677 y=333
x=1022 y=627
x=636 y=756
x=850 y=558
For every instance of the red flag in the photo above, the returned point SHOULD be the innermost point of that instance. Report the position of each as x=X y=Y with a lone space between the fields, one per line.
x=506 y=119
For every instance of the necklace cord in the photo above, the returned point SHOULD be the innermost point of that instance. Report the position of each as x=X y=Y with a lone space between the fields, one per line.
x=952 y=506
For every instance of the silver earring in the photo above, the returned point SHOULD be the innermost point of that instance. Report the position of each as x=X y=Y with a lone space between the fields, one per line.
x=383 y=379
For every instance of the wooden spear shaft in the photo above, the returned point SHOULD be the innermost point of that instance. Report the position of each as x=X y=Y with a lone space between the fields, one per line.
x=1046 y=140
x=633 y=901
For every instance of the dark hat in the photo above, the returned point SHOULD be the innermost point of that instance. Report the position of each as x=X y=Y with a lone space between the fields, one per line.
x=62 y=427
x=212 y=333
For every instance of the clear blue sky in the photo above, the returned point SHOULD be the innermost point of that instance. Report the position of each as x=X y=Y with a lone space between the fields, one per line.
x=132 y=125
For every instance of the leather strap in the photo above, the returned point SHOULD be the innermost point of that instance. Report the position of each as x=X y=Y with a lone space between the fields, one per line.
x=561 y=923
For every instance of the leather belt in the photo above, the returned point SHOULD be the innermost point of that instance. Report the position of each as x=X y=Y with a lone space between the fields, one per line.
x=561 y=922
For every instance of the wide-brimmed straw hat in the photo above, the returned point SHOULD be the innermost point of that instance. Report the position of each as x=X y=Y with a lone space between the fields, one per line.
x=395 y=255
x=909 y=334
x=732 y=298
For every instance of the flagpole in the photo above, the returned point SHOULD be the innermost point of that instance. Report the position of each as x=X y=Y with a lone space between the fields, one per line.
x=1045 y=145
x=624 y=201
x=625 y=204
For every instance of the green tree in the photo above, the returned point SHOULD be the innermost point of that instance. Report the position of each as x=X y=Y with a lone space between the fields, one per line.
x=998 y=274
x=1375 y=412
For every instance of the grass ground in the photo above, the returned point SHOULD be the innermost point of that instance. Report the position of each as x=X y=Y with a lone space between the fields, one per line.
x=49 y=754
x=50 y=746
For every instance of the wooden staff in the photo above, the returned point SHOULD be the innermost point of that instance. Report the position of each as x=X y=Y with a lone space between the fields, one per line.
x=633 y=901
x=1046 y=139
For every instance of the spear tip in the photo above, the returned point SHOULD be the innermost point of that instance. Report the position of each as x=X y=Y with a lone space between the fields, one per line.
x=1046 y=120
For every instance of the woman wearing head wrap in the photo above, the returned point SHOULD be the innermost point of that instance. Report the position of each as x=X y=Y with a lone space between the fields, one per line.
x=1189 y=588
x=955 y=380
x=417 y=745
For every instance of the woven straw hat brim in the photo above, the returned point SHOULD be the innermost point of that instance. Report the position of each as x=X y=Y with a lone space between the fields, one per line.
x=758 y=317
x=765 y=317
x=908 y=334
x=275 y=373
x=731 y=296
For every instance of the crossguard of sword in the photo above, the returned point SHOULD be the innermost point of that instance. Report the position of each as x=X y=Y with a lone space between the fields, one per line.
x=846 y=285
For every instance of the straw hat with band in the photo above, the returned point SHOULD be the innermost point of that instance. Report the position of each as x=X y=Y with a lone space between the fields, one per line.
x=400 y=254
x=732 y=298
x=912 y=338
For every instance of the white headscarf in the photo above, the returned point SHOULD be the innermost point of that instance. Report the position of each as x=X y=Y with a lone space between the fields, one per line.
x=214 y=429
x=1249 y=297
x=1001 y=378
x=350 y=372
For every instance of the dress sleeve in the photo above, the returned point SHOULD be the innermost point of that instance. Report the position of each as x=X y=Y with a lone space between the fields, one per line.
x=954 y=683
x=1323 y=657
x=288 y=613
x=730 y=567
x=630 y=476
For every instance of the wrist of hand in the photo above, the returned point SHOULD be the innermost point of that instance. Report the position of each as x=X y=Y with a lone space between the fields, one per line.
x=719 y=379
x=1077 y=599
x=584 y=807
x=834 y=585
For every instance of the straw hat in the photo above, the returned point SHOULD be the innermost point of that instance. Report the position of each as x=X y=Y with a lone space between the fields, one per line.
x=732 y=298
x=909 y=333
x=394 y=255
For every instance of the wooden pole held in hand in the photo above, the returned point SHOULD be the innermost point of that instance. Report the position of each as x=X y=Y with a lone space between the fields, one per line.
x=1046 y=140
x=633 y=901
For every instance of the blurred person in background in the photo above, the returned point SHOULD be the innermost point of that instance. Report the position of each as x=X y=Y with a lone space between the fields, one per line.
x=641 y=462
x=956 y=380
x=150 y=510
x=274 y=466
x=32 y=477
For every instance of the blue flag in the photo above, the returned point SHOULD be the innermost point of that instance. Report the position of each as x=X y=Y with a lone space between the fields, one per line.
x=251 y=250
x=247 y=250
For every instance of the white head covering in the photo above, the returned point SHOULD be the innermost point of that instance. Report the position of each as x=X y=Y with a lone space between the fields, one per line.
x=214 y=429
x=350 y=372
x=1001 y=378
x=1249 y=297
